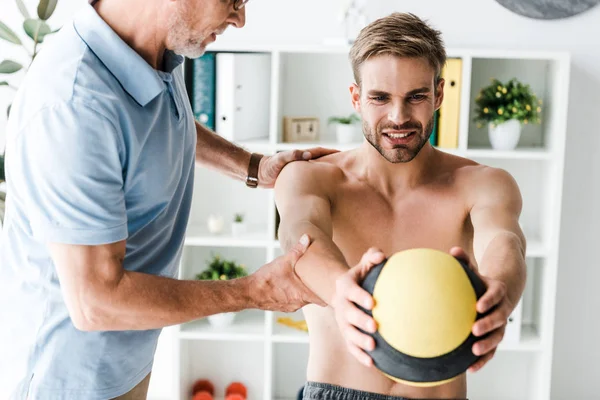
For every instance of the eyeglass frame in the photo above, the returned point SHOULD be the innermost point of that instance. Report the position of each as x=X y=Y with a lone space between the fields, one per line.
x=237 y=6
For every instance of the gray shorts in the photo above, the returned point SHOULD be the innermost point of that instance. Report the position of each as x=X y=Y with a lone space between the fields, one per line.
x=325 y=391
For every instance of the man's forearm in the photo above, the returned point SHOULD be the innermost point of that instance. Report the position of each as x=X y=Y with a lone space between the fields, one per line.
x=504 y=260
x=142 y=301
x=321 y=265
x=218 y=153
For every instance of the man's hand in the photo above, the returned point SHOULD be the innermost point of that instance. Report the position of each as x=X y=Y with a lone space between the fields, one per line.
x=270 y=166
x=278 y=288
x=349 y=317
x=493 y=324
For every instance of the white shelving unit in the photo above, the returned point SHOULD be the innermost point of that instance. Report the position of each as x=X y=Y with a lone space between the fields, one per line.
x=313 y=81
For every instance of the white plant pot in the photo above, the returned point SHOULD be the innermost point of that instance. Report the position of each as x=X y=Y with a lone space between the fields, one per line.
x=221 y=320
x=238 y=228
x=347 y=133
x=215 y=224
x=505 y=136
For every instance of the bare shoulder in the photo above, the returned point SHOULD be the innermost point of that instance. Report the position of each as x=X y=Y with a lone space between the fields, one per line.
x=487 y=184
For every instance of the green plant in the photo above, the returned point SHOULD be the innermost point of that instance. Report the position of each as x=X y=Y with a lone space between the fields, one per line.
x=35 y=28
x=500 y=102
x=352 y=118
x=238 y=218
x=221 y=269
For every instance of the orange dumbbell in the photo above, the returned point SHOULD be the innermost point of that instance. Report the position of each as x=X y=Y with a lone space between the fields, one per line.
x=236 y=391
x=203 y=389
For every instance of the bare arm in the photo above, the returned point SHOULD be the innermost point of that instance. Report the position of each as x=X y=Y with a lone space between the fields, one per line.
x=499 y=247
x=101 y=295
x=498 y=242
x=305 y=207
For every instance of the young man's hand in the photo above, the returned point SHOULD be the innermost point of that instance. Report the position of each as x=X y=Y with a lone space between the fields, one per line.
x=349 y=317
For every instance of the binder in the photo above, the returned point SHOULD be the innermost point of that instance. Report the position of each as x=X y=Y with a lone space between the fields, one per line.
x=203 y=83
x=448 y=123
x=243 y=87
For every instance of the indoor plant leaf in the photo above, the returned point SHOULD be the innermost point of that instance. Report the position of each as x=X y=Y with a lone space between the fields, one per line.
x=3 y=83
x=7 y=34
x=31 y=26
x=46 y=8
x=8 y=110
x=9 y=67
x=23 y=9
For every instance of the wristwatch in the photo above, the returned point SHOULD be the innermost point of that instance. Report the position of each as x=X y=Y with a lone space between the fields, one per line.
x=252 y=177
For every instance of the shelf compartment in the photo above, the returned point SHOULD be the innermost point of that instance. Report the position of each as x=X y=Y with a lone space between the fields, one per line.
x=290 y=362
x=247 y=326
x=222 y=363
x=196 y=258
x=288 y=334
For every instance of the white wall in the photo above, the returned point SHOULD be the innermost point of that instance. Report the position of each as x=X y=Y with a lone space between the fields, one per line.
x=483 y=24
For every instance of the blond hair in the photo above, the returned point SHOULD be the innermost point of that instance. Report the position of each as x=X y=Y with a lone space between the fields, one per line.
x=400 y=35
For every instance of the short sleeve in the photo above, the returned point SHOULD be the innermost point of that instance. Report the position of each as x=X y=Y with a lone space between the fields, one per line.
x=69 y=172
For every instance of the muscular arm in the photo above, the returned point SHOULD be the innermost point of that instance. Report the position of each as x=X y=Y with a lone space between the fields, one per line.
x=218 y=153
x=304 y=207
x=101 y=295
x=499 y=243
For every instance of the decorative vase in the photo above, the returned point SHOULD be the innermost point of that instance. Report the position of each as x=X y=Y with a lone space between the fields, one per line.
x=215 y=224
x=347 y=133
x=505 y=136
x=238 y=228
x=221 y=320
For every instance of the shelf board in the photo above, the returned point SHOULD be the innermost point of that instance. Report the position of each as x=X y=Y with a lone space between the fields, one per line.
x=306 y=145
x=247 y=326
x=199 y=236
x=536 y=248
x=530 y=341
x=518 y=154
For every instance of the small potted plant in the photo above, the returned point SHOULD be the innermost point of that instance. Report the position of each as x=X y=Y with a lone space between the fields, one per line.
x=347 y=129
x=220 y=269
x=238 y=226
x=504 y=108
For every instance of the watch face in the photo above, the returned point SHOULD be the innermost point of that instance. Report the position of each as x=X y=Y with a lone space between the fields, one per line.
x=548 y=9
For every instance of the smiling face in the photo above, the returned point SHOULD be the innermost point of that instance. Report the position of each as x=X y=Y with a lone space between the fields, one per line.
x=196 y=23
x=397 y=99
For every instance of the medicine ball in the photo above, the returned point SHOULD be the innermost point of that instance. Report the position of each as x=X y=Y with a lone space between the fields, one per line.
x=424 y=310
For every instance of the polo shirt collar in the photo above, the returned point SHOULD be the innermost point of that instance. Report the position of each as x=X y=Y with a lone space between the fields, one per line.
x=136 y=76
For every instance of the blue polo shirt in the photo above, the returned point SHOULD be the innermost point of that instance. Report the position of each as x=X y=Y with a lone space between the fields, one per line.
x=100 y=149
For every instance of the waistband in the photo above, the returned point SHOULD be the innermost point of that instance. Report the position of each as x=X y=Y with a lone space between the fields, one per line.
x=326 y=391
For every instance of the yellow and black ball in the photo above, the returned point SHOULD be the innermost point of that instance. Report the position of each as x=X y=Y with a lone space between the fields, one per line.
x=424 y=309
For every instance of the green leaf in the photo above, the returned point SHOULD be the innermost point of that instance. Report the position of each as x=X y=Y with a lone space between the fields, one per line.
x=3 y=83
x=31 y=26
x=46 y=8
x=7 y=34
x=23 y=9
x=9 y=67
x=8 y=110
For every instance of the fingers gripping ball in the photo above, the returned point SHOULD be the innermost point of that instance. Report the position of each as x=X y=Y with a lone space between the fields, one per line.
x=425 y=309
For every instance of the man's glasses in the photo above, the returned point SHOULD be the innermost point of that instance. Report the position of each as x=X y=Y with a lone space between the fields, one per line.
x=239 y=4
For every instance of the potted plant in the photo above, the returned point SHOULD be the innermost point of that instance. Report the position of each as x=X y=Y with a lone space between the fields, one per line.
x=221 y=269
x=346 y=128
x=238 y=226
x=504 y=107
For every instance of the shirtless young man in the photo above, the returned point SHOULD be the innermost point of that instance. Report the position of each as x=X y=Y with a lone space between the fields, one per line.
x=395 y=192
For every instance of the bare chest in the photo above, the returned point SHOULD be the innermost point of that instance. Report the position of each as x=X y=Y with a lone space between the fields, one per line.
x=435 y=218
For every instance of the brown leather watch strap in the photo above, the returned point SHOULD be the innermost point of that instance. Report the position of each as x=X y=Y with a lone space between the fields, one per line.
x=252 y=177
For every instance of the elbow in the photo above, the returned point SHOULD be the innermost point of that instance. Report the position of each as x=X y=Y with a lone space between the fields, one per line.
x=88 y=314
